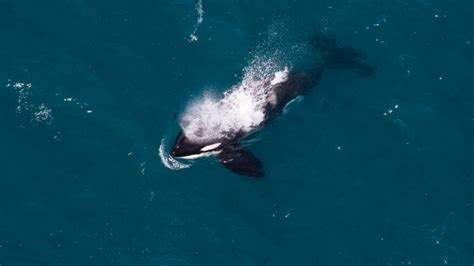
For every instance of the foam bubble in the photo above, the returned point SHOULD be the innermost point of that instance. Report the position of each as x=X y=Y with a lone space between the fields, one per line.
x=23 y=91
x=28 y=105
x=43 y=114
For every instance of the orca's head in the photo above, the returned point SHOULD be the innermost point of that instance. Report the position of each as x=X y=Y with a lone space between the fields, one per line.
x=187 y=149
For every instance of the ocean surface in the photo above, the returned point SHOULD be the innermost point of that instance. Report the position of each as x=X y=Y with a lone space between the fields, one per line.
x=363 y=171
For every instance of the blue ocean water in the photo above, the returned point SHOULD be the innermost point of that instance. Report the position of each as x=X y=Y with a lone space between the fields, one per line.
x=375 y=171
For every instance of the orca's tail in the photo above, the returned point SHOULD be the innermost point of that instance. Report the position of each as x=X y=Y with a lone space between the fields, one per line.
x=340 y=58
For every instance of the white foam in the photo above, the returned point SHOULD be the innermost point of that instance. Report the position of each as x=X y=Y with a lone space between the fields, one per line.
x=168 y=161
x=280 y=76
x=43 y=114
x=242 y=109
x=23 y=91
x=39 y=113
x=200 y=17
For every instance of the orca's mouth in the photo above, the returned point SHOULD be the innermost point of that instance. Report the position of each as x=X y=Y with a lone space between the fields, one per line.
x=182 y=147
x=176 y=153
x=173 y=154
x=183 y=151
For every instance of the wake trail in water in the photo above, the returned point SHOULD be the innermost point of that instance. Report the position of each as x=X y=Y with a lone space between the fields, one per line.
x=200 y=17
x=168 y=161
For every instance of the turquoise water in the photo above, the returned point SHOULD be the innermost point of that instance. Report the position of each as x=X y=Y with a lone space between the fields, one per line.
x=374 y=171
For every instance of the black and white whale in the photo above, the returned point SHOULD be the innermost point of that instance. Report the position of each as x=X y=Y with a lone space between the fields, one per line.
x=218 y=126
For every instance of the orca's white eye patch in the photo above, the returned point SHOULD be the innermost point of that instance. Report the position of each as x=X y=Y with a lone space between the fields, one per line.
x=210 y=147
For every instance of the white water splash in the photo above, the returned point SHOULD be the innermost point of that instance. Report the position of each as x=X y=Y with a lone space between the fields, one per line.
x=169 y=161
x=81 y=104
x=200 y=17
x=43 y=114
x=26 y=105
x=241 y=110
x=23 y=90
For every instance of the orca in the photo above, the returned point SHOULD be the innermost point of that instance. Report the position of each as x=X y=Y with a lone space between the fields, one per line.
x=281 y=89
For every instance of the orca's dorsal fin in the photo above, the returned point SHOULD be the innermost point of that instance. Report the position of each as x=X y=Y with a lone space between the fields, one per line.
x=241 y=161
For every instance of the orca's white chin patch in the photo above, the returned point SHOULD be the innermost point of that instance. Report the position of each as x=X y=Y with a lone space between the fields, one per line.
x=199 y=155
x=211 y=147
